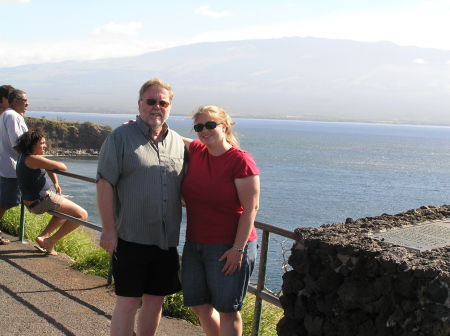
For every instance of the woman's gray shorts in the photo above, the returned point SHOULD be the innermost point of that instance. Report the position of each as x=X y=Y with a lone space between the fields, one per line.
x=50 y=202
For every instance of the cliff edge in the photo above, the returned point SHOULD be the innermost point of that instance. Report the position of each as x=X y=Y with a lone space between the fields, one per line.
x=71 y=138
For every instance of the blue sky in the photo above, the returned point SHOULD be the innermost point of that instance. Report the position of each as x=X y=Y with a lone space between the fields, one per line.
x=37 y=31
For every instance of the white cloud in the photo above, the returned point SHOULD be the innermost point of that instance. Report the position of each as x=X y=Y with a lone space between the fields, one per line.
x=22 y=1
x=205 y=11
x=128 y=29
x=78 y=50
x=425 y=25
x=419 y=61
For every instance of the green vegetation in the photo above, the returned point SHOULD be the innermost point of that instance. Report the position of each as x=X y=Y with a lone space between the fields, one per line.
x=63 y=135
x=88 y=257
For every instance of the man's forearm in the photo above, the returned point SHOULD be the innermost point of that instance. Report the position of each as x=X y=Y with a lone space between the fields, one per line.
x=105 y=204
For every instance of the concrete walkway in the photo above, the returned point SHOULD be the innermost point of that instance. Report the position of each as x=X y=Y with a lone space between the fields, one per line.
x=42 y=295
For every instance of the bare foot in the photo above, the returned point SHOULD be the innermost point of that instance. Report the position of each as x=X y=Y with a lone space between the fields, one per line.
x=45 y=244
x=4 y=241
x=40 y=241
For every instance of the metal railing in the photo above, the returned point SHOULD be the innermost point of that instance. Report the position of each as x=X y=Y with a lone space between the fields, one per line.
x=87 y=224
x=260 y=292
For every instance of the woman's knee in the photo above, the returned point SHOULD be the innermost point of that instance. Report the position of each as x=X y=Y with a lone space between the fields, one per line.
x=203 y=310
x=73 y=209
x=233 y=316
x=83 y=214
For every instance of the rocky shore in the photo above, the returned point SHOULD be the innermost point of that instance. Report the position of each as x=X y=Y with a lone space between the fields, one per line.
x=71 y=139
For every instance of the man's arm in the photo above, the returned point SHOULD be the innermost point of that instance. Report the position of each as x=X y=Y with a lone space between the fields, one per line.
x=15 y=127
x=105 y=204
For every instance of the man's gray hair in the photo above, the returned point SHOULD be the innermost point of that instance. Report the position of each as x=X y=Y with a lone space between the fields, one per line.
x=15 y=94
x=156 y=82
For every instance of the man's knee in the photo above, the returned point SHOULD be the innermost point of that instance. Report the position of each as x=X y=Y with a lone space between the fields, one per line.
x=152 y=300
x=127 y=305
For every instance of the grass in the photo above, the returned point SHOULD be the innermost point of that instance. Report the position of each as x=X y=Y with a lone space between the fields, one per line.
x=88 y=257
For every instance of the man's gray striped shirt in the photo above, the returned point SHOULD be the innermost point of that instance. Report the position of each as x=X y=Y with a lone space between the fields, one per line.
x=146 y=177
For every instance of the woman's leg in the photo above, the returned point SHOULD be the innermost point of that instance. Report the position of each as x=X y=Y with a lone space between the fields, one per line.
x=209 y=319
x=65 y=226
x=230 y=324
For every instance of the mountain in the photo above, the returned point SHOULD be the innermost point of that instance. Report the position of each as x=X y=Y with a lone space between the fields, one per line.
x=301 y=78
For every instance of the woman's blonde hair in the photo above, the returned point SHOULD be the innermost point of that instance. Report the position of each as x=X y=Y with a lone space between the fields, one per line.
x=219 y=115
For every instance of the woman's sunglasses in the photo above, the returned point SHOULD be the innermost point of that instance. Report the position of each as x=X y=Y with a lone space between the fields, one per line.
x=153 y=102
x=208 y=125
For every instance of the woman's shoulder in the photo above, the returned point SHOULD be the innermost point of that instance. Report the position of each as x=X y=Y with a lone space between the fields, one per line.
x=240 y=153
x=243 y=161
x=196 y=146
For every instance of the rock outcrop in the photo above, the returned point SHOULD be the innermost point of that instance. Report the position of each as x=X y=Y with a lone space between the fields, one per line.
x=343 y=282
x=66 y=138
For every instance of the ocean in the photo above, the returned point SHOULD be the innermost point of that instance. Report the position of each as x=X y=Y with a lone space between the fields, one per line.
x=313 y=173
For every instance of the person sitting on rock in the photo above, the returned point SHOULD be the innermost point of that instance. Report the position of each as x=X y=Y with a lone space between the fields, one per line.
x=36 y=194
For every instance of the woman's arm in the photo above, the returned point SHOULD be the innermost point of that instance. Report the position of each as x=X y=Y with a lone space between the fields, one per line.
x=40 y=162
x=248 y=193
x=187 y=142
x=54 y=179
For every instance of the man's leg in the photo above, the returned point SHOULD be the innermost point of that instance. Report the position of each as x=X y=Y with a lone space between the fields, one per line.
x=149 y=315
x=122 y=323
x=2 y=212
x=3 y=241
x=9 y=197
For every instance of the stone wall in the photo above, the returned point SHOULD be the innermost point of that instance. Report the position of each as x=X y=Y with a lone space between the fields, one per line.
x=344 y=283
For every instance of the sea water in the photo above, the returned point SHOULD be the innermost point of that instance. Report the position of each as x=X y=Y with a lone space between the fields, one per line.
x=313 y=173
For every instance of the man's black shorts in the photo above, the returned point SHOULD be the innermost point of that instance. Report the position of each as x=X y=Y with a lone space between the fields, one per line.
x=145 y=269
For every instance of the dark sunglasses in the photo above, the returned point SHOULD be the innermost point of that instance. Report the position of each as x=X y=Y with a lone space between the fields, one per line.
x=209 y=125
x=153 y=102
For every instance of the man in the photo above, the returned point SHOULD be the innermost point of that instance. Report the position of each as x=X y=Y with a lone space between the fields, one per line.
x=139 y=174
x=12 y=126
x=5 y=90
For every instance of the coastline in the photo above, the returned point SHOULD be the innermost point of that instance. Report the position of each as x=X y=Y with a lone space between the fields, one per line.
x=271 y=118
x=60 y=152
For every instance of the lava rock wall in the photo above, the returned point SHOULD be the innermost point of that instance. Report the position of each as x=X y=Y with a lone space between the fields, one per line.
x=345 y=283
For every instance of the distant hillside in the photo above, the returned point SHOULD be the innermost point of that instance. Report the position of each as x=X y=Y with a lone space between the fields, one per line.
x=301 y=78
x=66 y=138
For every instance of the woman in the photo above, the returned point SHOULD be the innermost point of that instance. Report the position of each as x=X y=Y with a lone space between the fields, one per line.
x=36 y=193
x=221 y=192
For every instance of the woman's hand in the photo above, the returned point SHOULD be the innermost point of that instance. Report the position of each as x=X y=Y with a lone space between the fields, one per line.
x=57 y=188
x=233 y=261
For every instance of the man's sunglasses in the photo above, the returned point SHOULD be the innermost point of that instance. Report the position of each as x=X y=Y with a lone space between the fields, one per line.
x=153 y=102
x=208 y=125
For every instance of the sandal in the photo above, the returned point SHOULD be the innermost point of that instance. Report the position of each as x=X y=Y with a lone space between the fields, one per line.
x=4 y=241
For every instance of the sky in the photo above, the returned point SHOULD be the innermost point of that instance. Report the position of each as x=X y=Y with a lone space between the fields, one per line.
x=40 y=31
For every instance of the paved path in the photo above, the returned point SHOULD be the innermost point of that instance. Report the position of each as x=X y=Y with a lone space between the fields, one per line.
x=42 y=295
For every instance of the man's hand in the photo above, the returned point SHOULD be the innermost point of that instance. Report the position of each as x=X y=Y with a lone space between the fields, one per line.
x=108 y=241
x=233 y=261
